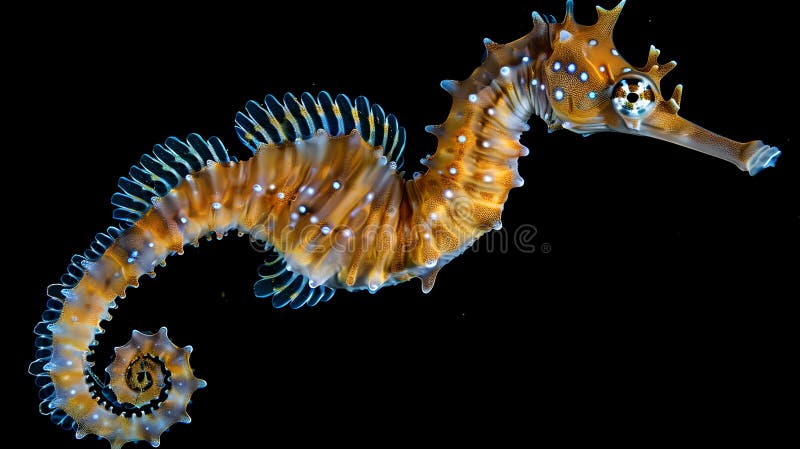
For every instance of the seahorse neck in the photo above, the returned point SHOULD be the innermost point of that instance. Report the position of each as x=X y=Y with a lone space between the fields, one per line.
x=475 y=164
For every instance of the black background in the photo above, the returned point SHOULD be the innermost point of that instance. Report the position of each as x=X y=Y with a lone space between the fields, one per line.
x=661 y=311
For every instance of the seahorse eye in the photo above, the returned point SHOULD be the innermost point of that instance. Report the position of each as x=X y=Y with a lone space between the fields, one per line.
x=633 y=97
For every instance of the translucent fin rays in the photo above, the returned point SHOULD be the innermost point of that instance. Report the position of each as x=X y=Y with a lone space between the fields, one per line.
x=285 y=287
x=276 y=122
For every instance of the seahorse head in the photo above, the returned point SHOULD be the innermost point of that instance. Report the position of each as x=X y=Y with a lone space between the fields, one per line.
x=592 y=88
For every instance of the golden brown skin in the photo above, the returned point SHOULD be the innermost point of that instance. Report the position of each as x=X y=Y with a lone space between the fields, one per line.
x=343 y=217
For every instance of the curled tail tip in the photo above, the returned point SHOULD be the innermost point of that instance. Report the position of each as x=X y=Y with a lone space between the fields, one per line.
x=151 y=384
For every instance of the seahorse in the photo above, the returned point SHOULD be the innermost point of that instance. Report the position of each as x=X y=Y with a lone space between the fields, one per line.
x=323 y=190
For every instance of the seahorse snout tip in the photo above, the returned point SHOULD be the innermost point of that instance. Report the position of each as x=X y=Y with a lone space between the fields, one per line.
x=764 y=157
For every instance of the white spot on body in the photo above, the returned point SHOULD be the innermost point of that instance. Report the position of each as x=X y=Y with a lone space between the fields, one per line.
x=272 y=186
x=72 y=392
x=325 y=230
x=431 y=263
x=614 y=52
x=490 y=111
x=426 y=236
x=95 y=416
x=257 y=188
x=281 y=195
x=310 y=190
x=314 y=219
x=488 y=178
x=294 y=216
x=336 y=185
x=473 y=98
x=542 y=87
x=370 y=196
x=626 y=70
x=566 y=125
x=571 y=68
x=462 y=139
x=486 y=144
x=302 y=209
x=534 y=82
x=448 y=194
x=505 y=71
x=347 y=233
x=558 y=94
x=134 y=253
x=556 y=66
x=453 y=170
x=69 y=363
x=584 y=77
x=151 y=244
x=602 y=69
x=434 y=216
x=216 y=206
x=593 y=43
x=526 y=59
x=592 y=95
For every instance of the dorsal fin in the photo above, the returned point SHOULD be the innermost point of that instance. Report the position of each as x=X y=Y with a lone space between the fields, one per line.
x=274 y=122
x=157 y=173
x=285 y=287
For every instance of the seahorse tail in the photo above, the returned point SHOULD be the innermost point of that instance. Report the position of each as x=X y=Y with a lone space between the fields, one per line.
x=149 y=382
x=148 y=385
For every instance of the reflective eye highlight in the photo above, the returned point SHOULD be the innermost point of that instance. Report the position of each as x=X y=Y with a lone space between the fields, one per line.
x=633 y=97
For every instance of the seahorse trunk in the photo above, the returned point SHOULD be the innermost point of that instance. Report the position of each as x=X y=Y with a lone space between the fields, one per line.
x=329 y=205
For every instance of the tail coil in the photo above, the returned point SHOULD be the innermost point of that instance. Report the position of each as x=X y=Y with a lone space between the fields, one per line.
x=150 y=381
